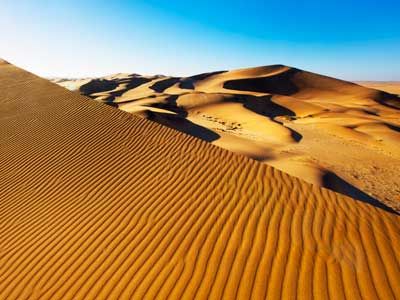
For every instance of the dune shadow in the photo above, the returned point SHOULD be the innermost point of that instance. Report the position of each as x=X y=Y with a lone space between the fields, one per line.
x=132 y=83
x=280 y=84
x=188 y=82
x=266 y=107
x=370 y=112
x=162 y=85
x=393 y=127
x=294 y=134
x=337 y=184
x=178 y=120
x=97 y=85
x=183 y=125
x=112 y=104
x=104 y=85
x=170 y=103
x=388 y=100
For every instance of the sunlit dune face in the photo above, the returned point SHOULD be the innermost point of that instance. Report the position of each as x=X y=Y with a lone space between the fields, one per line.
x=328 y=132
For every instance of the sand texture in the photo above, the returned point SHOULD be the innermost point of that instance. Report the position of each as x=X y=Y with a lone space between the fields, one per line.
x=96 y=203
x=328 y=132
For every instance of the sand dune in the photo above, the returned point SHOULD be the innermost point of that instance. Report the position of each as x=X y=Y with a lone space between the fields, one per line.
x=387 y=86
x=326 y=131
x=100 y=204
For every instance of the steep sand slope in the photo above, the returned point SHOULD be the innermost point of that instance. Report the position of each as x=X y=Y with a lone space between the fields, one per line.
x=326 y=131
x=99 y=204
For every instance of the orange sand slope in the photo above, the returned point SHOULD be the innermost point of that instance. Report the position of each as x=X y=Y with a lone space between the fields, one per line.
x=99 y=204
x=387 y=86
x=325 y=131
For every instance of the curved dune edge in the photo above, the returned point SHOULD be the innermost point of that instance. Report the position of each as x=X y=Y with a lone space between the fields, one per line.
x=99 y=204
x=285 y=117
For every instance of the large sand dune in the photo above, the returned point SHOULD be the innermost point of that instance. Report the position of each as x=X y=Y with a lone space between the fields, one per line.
x=96 y=203
x=326 y=131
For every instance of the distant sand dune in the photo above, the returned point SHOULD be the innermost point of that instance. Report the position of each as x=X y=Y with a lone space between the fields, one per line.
x=100 y=204
x=329 y=132
x=389 y=86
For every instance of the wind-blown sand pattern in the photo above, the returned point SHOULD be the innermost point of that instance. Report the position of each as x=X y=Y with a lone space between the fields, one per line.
x=328 y=132
x=100 y=204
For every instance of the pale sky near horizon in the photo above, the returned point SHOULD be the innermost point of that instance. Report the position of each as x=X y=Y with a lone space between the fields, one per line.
x=352 y=40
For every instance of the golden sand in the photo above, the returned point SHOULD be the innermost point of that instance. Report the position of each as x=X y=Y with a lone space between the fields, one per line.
x=100 y=204
x=328 y=132
x=387 y=86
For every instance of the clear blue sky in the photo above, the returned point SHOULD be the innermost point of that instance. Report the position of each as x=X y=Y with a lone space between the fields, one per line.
x=353 y=39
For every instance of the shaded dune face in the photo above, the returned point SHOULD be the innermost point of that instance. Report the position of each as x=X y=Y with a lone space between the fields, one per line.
x=98 y=85
x=329 y=132
x=280 y=84
x=100 y=204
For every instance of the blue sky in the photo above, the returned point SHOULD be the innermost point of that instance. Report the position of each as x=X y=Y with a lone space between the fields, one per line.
x=354 y=40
